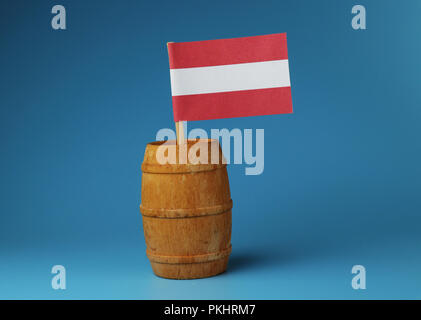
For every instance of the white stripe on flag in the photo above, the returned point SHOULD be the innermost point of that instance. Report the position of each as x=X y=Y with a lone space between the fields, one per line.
x=231 y=77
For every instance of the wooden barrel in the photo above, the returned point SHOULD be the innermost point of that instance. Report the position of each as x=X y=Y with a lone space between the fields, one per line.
x=186 y=210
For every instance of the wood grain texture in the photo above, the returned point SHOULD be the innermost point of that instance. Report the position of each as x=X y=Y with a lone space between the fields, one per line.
x=186 y=211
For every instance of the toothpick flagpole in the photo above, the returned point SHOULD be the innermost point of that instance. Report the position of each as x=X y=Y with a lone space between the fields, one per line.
x=179 y=130
x=179 y=126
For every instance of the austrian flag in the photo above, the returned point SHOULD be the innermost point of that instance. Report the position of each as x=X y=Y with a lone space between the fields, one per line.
x=229 y=78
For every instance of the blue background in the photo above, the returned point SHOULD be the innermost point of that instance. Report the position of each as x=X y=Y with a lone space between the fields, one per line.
x=342 y=177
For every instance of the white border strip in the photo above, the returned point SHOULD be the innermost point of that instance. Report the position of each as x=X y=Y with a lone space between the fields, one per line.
x=231 y=77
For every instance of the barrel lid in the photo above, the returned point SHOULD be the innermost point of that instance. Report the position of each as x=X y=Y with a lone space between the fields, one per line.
x=195 y=155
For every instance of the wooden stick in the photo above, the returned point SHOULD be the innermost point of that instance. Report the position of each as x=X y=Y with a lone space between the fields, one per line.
x=179 y=129
x=179 y=126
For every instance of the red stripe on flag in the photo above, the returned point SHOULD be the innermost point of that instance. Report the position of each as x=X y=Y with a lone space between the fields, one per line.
x=227 y=51
x=232 y=104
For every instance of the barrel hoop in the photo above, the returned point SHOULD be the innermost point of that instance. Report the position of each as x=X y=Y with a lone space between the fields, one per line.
x=180 y=168
x=201 y=258
x=186 y=213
